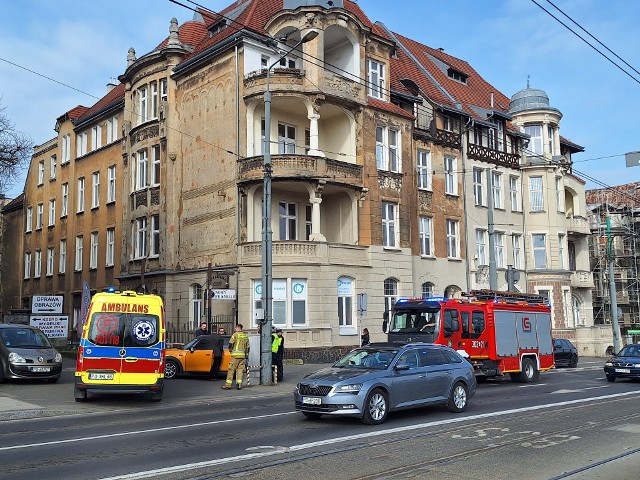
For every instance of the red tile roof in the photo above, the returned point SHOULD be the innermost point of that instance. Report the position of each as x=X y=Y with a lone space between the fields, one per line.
x=115 y=95
x=388 y=107
x=189 y=33
x=620 y=195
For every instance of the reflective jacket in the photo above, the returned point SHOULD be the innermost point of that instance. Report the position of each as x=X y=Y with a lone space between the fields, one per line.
x=275 y=343
x=239 y=345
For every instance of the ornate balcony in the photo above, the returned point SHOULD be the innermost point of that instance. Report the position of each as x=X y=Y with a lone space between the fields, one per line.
x=287 y=79
x=577 y=224
x=301 y=166
x=313 y=253
x=582 y=279
x=478 y=152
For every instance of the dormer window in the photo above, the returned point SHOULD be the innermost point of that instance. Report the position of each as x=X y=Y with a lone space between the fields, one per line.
x=457 y=75
x=217 y=28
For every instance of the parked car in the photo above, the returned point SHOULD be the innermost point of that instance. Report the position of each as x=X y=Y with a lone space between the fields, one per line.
x=25 y=352
x=379 y=378
x=624 y=364
x=565 y=354
x=195 y=358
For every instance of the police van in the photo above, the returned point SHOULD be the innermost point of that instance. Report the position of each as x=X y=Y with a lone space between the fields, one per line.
x=122 y=346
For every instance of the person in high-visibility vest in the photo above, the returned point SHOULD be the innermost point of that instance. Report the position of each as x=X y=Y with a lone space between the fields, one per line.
x=239 y=348
x=277 y=351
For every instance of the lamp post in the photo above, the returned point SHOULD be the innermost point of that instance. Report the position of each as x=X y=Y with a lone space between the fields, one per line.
x=267 y=233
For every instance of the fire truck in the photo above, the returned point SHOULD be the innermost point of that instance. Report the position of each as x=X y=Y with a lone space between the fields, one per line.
x=498 y=332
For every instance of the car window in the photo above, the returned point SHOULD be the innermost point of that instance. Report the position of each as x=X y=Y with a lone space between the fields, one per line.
x=124 y=329
x=203 y=344
x=431 y=356
x=408 y=358
x=378 y=359
x=630 y=351
x=451 y=357
x=24 y=338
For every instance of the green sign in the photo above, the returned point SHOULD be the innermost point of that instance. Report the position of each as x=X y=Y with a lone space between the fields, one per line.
x=634 y=332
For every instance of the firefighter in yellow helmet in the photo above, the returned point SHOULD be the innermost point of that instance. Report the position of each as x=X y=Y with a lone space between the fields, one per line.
x=239 y=348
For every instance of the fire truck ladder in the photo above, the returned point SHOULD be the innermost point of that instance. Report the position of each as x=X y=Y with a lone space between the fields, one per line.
x=484 y=295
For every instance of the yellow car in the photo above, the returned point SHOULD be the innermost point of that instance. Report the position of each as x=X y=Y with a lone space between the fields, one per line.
x=196 y=357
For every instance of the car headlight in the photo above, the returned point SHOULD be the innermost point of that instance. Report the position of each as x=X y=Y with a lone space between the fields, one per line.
x=15 y=358
x=636 y=365
x=608 y=364
x=58 y=358
x=353 y=388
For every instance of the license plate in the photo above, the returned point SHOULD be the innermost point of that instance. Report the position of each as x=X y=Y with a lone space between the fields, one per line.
x=101 y=376
x=312 y=400
x=623 y=370
x=40 y=369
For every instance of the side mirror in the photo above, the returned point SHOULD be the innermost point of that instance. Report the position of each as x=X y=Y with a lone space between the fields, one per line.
x=401 y=366
x=192 y=349
x=385 y=324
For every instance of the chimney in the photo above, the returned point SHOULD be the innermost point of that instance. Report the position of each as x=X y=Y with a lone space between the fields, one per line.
x=111 y=85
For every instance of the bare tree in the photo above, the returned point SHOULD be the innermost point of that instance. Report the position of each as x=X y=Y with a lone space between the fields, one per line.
x=15 y=152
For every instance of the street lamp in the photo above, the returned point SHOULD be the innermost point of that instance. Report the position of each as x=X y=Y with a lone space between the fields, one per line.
x=267 y=233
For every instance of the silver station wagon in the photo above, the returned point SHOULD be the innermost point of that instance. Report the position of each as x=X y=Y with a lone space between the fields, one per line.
x=371 y=381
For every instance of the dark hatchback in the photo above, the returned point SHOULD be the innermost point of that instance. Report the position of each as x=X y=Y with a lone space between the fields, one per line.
x=565 y=354
x=25 y=352
x=624 y=364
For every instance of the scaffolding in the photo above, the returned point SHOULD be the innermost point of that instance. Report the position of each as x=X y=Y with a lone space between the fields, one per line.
x=622 y=205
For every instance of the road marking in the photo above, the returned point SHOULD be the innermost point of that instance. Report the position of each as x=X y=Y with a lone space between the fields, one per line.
x=350 y=438
x=532 y=385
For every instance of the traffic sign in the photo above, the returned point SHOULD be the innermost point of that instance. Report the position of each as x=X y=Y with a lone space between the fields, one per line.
x=223 y=294
x=46 y=304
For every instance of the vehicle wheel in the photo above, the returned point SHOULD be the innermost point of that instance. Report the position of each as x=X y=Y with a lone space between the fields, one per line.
x=1 y=373
x=573 y=363
x=80 y=395
x=171 y=369
x=458 y=398
x=312 y=415
x=529 y=373
x=376 y=407
x=611 y=378
x=53 y=380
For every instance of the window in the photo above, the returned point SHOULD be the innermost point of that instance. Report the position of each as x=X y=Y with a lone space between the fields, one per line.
x=450 y=176
x=39 y=215
x=426 y=249
x=424 y=170
x=80 y=195
x=111 y=184
x=478 y=187
x=62 y=261
x=112 y=130
x=37 y=270
x=535 y=143
x=539 y=250
x=140 y=237
x=390 y=293
x=142 y=105
x=95 y=190
x=559 y=194
x=154 y=100
x=286 y=138
x=65 y=200
x=53 y=167
x=427 y=290
x=561 y=254
x=78 y=260
x=389 y=222
x=498 y=243
x=516 y=242
x=288 y=220
x=308 y=222
x=514 y=193
x=49 y=262
x=93 y=253
x=155 y=235
x=163 y=90
x=66 y=148
x=550 y=136
x=96 y=137
x=52 y=212
x=29 y=220
x=535 y=194
x=481 y=247
x=27 y=265
x=345 y=302
x=456 y=75
x=491 y=138
x=452 y=239
x=496 y=188
x=500 y=132
x=81 y=144
x=196 y=303
x=289 y=305
x=388 y=149
x=375 y=86
x=155 y=165
x=40 y=172
x=111 y=242
x=141 y=169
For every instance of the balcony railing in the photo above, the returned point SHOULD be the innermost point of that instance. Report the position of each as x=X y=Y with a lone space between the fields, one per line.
x=578 y=224
x=478 y=152
x=313 y=253
x=301 y=166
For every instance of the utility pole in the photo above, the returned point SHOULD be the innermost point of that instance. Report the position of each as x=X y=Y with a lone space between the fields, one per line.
x=617 y=344
x=493 y=273
x=209 y=297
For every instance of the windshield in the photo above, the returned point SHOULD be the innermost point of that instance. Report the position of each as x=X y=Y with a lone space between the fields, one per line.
x=24 y=338
x=375 y=358
x=124 y=329
x=630 y=351
x=414 y=322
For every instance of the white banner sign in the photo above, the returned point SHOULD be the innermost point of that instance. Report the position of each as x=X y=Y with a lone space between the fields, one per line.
x=223 y=294
x=53 y=326
x=46 y=304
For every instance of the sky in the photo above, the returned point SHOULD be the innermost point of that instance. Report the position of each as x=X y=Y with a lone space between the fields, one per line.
x=55 y=55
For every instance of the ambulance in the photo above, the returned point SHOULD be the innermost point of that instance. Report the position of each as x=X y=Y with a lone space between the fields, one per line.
x=122 y=346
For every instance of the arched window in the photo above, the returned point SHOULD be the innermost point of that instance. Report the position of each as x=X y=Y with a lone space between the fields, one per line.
x=452 y=291
x=390 y=293
x=427 y=290
x=195 y=299
x=345 y=301
x=577 y=306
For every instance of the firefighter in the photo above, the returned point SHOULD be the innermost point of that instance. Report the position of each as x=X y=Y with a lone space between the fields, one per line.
x=239 y=348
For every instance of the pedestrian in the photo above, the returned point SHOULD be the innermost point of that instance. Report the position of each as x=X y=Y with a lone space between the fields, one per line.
x=239 y=348
x=203 y=330
x=280 y=355
x=222 y=331
x=365 y=337
x=217 y=347
x=276 y=353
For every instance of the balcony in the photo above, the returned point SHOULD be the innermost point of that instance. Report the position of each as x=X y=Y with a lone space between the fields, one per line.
x=338 y=86
x=478 y=152
x=301 y=167
x=285 y=79
x=582 y=279
x=311 y=253
x=577 y=224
